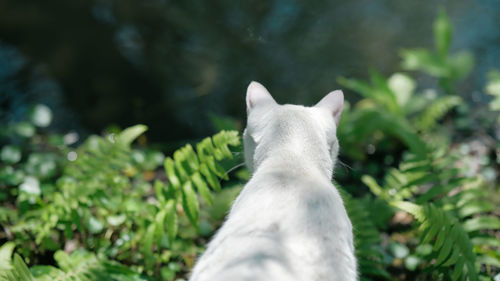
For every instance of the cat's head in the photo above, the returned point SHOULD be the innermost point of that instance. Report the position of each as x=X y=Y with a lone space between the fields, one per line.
x=270 y=125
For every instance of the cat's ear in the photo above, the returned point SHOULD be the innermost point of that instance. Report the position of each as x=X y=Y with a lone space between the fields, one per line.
x=333 y=102
x=257 y=94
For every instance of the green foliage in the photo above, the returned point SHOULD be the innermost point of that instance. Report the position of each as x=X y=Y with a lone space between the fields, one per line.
x=493 y=88
x=80 y=265
x=366 y=240
x=452 y=245
x=109 y=198
x=189 y=169
x=435 y=111
x=387 y=107
x=394 y=107
x=110 y=210
x=440 y=64
x=451 y=212
x=454 y=236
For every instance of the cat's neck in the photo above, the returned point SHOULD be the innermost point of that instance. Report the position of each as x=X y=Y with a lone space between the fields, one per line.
x=298 y=158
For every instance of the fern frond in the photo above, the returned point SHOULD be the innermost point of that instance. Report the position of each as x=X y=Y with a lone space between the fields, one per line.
x=82 y=265
x=15 y=270
x=190 y=173
x=428 y=119
x=20 y=271
x=451 y=243
x=493 y=89
x=448 y=206
x=378 y=90
x=200 y=169
x=366 y=240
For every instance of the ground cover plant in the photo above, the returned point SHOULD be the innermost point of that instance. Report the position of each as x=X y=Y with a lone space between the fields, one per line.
x=420 y=183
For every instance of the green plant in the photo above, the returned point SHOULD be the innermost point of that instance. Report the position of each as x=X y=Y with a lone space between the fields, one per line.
x=493 y=88
x=111 y=199
x=393 y=106
x=448 y=68
x=451 y=211
x=80 y=265
x=110 y=210
x=189 y=169
x=366 y=240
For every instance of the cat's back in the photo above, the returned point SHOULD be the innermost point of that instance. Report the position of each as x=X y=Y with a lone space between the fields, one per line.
x=281 y=227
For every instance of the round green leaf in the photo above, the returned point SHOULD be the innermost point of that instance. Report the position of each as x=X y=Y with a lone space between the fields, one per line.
x=403 y=86
x=95 y=225
x=41 y=115
x=411 y=262
x=31 y=185
x=116 y=220
x=10 y=154
x=424 y=250
x=167 y=273
x=399 y=250
x=24 y=129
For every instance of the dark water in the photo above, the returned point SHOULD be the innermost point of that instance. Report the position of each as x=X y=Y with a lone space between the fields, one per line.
x=169 y=64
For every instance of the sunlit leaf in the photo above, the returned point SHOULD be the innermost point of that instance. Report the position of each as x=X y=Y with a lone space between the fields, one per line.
x=94 y=225
x=190 y=202
x=423 y=59
x=202 y=188
x=41 y=115
x=493 y=88
x=127 y=136
x=442 y=33
x=31 y=185
x=461 y=64
x=24 y=129
x=116 y=220
x=46 y=273
x=399 y=250
x=486 y=222
x=5 y=255
x=10 y=154
x=411 y=262
x=403 y=86
x=171 y=219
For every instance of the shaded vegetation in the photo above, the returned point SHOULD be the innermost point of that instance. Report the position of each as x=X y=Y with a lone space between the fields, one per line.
x=422 y=193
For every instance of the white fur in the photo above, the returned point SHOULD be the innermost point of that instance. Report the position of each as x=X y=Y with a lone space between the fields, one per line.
x=289 y=221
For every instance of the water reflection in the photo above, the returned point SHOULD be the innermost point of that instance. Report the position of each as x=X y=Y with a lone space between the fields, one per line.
x=169 y=64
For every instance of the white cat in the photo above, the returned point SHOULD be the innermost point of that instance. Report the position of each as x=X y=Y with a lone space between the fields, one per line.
x=289 y=221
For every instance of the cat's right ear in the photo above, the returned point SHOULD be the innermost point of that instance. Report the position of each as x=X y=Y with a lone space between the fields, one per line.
x=256 y=95
x=333 y=102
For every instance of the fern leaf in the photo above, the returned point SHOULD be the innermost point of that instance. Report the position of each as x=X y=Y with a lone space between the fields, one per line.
x=483 y=222
x=127 y=136
x=190 y=202
x=451 y=242
x=486 y=241
x=171 y=220
x=83 y=266
x=21 y=269
x=432 y=114
x=493 y=88
x=366 y=239
x=16 y=270
x=189 y=168
x=5 y=255
x=202 y=188
x=471 y=208
x=171 y=174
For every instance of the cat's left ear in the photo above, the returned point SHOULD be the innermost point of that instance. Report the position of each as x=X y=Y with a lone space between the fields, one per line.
x=333 y=102
x=258 y=94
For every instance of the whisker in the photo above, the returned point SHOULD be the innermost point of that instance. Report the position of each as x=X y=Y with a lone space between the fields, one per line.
x=344 y=164
x=234 y=168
